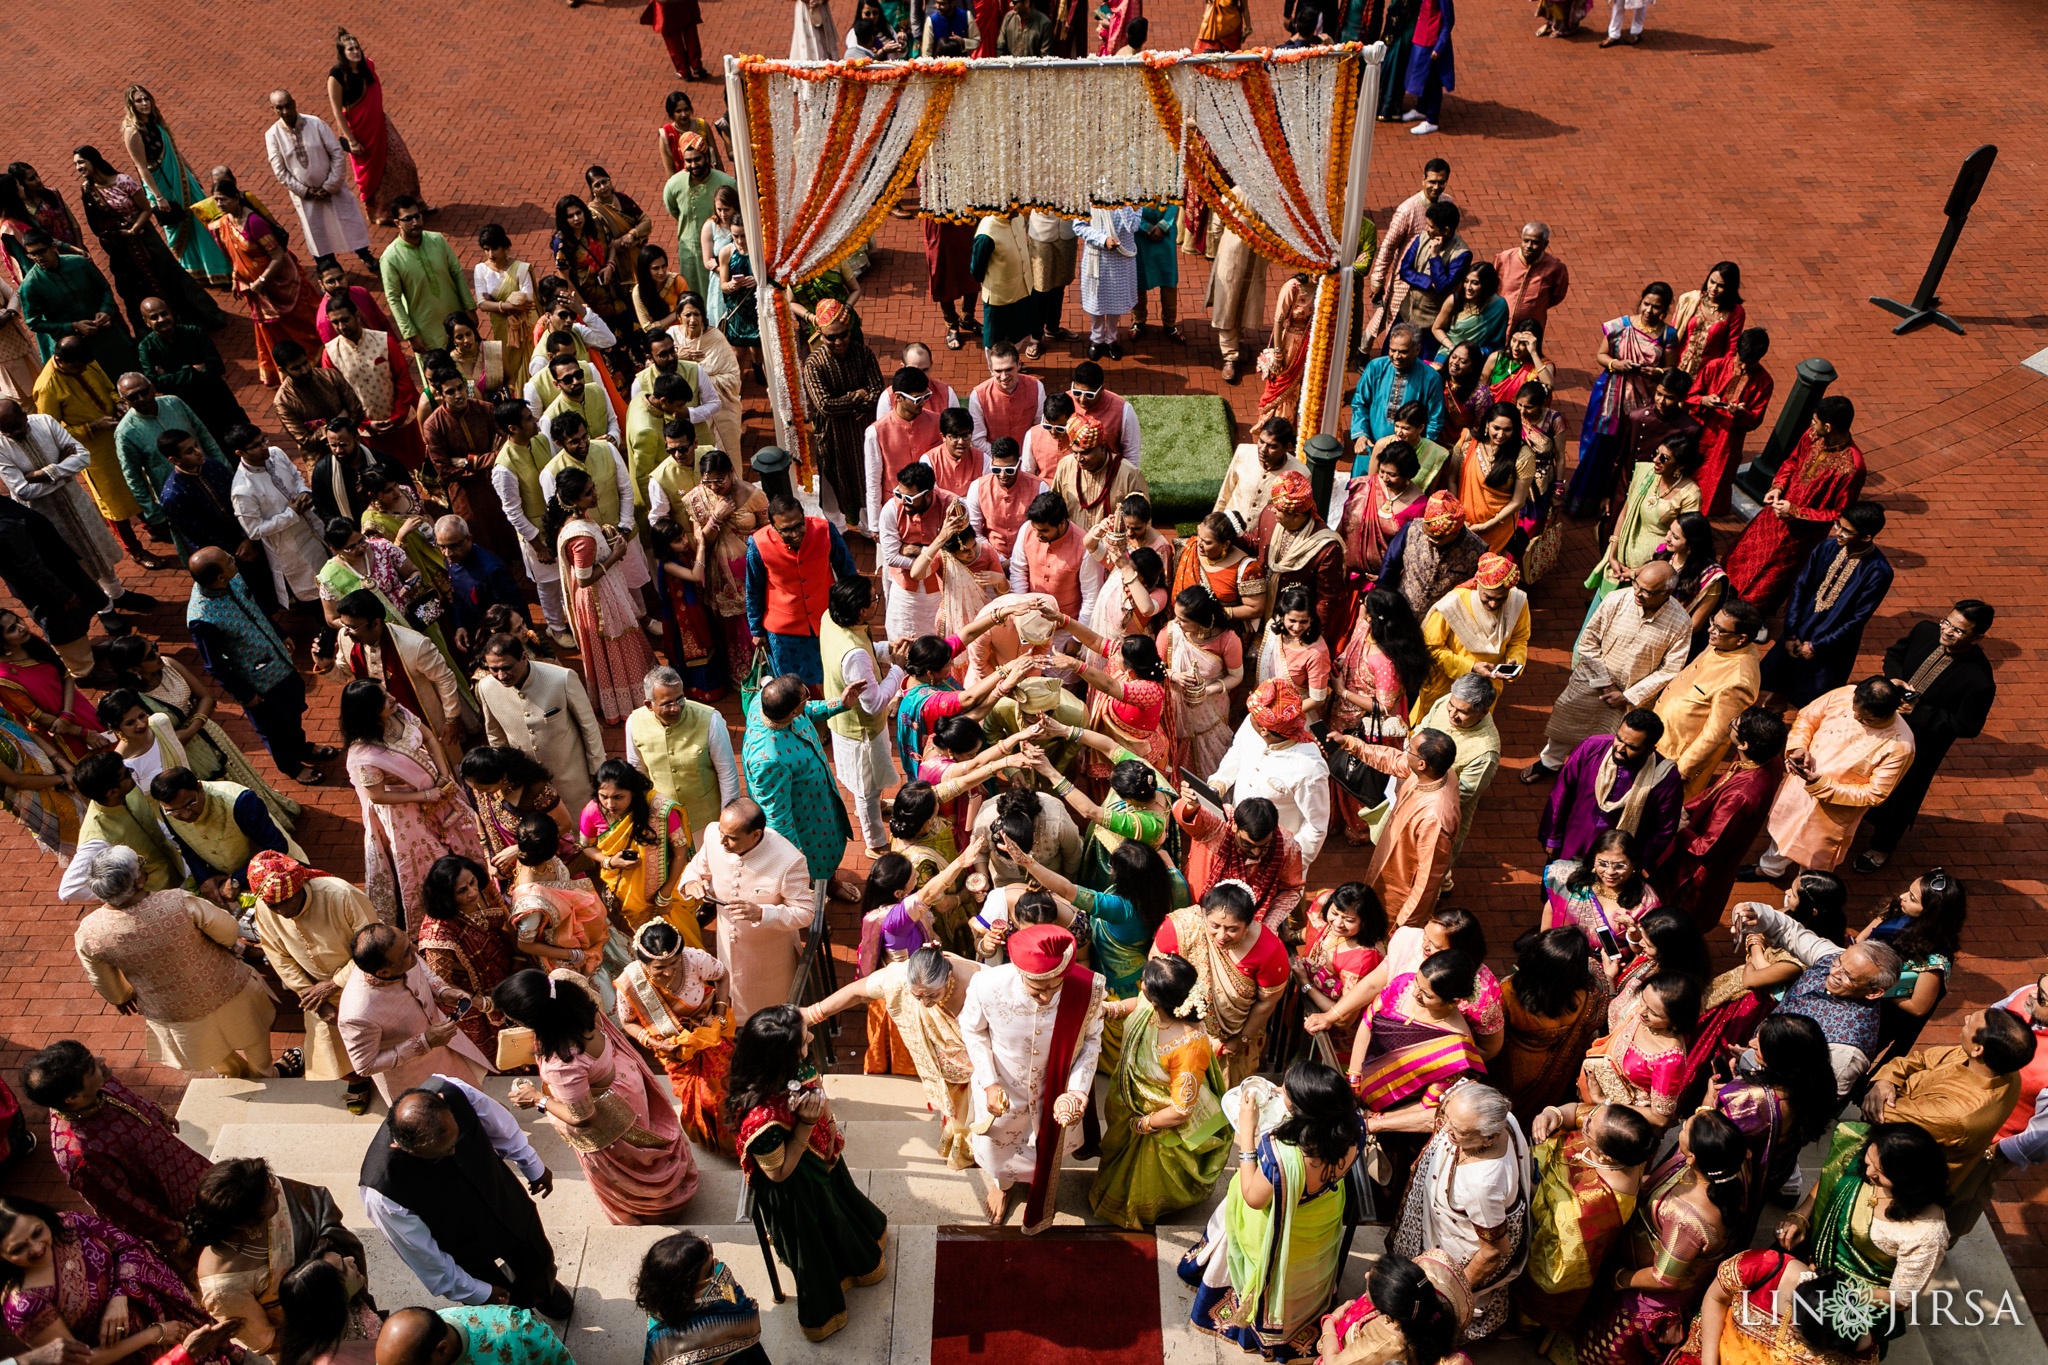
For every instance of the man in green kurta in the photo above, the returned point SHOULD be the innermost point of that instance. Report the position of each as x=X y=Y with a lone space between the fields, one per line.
x=423 y=281
x=687 y=197
x=783 y=765
x=66 y=295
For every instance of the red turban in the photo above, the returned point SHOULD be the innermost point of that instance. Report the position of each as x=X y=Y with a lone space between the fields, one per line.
x=1291 y=493
x=1496 y=571
x=832 y=317
x=1042 y=950
x=1083 y=433
x=1442 y=514
x=1276 y=706
x=275 y=878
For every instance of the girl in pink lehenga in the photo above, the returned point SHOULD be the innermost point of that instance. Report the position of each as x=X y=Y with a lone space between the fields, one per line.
x=603 y=609
x=603 y=1098
x=1204 y=661
x=413 y=811
x=557 y=920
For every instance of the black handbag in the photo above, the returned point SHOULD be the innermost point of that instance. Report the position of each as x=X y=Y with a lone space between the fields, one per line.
x=1356 y=777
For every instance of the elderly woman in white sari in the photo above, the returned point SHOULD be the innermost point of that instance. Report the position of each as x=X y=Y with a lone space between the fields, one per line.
x=1469 y=1199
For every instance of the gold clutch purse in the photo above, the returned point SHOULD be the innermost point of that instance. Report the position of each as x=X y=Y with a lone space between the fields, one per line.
x=515 y=1048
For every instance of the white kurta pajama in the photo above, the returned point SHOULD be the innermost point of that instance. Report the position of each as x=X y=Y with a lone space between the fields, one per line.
x=64 y=500
x=1295 y=778
x=309 y=158
x=262 y=499
x=1617 y=648
x=1109 y=275
x=1009 y=1036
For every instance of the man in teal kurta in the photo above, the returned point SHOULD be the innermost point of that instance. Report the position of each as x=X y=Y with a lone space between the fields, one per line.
x=62 y=295
x=423 y=282
x=687 y=197
x=143 y=467
x=784 y=767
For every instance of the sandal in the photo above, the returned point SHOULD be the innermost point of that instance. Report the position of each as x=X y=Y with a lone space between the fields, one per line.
x=322 y=753
x=952 y=340
x=357 y=1098
x=1176 y=333
x=291 y=1063
x=309 y=776
x=1030 y=348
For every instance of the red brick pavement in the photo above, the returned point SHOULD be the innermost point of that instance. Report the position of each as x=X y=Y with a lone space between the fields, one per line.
x=1811 y=144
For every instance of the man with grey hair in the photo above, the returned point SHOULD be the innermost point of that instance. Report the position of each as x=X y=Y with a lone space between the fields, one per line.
x=1532 y=281
x=1632 y=644
x=1470 y=1198
x=1387 y=384
x=1465 y=713
x=1840 y=990
x=684 y=748
x=480 y=578
x=309 y=162
x=170 y=956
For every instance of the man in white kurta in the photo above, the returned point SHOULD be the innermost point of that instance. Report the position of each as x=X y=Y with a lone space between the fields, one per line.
x=1291 y=773
x=763 y=886
x=395 y=1017
x=1255 y=468
x=308 y=161
x=1633 y=643
x=273 y=504
x=1007 y=1024
x=39 y=464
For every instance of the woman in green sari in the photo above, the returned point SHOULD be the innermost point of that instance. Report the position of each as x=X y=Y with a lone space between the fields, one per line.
x=395 y=514
x=1875 y=1214
x=1267 y=1263
x=1660 y=493
x=1139 y=806
x=1474 y=312
x=1165 y=1140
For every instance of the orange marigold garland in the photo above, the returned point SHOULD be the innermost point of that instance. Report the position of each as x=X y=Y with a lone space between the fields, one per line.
x=761 y=137
x=849 y=102
x=949 y=75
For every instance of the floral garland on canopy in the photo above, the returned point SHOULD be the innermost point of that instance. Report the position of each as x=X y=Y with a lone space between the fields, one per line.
x=1264 y=138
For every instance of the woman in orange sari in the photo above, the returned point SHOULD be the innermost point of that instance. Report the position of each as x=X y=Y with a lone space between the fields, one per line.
x=268 y=277
x=1493 y=472
x=1285 y=358
x=671 y=1003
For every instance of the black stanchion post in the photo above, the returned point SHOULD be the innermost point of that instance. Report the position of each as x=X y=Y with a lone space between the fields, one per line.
x=1969 y=182
x=1809 y=385
x=772 y=464
x=1322 y=453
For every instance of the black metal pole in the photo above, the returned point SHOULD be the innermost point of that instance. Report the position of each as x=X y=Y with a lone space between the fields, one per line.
x=1961 y=197
x=772 y=464
x=1809 y=385
x=1322 y=453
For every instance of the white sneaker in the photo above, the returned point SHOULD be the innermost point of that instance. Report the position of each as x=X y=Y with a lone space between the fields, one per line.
x=1412 y=116
x=1422 y=128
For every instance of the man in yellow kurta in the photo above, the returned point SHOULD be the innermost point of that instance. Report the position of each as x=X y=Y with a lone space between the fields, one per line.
x=306 y=920
x=1701 y=703
x=1846 y=752
x=74 y=389
x=1475 y=628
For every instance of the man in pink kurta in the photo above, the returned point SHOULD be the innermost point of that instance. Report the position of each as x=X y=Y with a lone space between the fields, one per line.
x=1389 y=291
x=395 y=1017
x=763 y=887
x=1847 y=750
x=1414 y=845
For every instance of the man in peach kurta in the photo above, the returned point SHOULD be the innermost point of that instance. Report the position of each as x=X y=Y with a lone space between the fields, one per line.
x=1415 y=837
x=395 y=1017
x=765 y=902
x=1846 y=752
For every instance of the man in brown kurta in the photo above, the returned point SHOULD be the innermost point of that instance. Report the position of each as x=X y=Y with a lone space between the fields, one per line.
x=462 y=444
x=841 y=380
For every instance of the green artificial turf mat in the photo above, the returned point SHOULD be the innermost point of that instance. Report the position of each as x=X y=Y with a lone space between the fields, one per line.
x=1187 y=445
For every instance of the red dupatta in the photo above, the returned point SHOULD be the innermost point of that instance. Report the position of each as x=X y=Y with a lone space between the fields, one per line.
x=827 y=1142
x=1077 y=991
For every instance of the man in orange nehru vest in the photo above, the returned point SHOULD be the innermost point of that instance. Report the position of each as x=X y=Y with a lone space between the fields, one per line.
x=912 y=521
x=899 y=436
x=956 y=460
x=791 y=565
x=1118 y=419
x=1049 y=559
x=996 y=502
x=1008 y=403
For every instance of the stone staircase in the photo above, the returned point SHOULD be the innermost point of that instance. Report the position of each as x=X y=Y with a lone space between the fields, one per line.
x=303 y=1130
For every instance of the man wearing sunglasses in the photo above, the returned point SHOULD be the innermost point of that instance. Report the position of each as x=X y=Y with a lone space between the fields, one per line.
x=898 y=436
x=423 y=281
x=1118 y=419
x=1949 y=691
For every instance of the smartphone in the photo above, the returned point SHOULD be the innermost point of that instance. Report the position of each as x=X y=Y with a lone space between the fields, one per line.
x=631 y=855
x=1608 y=943
x=462 y=1010
x=1507 y=671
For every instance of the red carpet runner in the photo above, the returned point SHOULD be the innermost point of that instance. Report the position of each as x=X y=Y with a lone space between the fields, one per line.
x=1068 y=1295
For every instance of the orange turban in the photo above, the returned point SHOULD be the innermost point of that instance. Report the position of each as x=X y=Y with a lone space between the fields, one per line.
x=832 y=317
x=1083 y=433
x=275 y=878
x=1276 y=706
x=1291 y=493
x=1443 y=514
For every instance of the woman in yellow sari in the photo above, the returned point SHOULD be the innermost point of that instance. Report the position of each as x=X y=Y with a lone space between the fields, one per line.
x=395 y=514
x=1267 y=1262
x=1589 y=1168
x=640 y=841
x=1165 y=1137
x=1661 y=490
x=671 y=1003
x=1764 y=1308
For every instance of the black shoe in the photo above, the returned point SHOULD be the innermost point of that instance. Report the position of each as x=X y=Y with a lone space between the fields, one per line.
x=1870 y=860
x=114 y=624
x=559 y=1303
x=1094 y=351
x=132 y=600
x=1116 y=350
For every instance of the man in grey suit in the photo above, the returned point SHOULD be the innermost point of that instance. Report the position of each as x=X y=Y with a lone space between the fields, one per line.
x=541 y=709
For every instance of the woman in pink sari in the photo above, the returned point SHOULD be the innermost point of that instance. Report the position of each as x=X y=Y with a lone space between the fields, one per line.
x=727 y=510
x=1204 y=661
x=603 y=1099
x=603 y=611
x=1286 y=356
x=1377 y=508
x=413 y=812
x=383 y=167
x=37 y=692
x=1381 y=666
x=1131 y=702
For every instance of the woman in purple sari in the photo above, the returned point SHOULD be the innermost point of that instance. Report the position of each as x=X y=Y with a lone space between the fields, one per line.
x=1413 y=1045
x=1779 y=1108
x=75 y=1275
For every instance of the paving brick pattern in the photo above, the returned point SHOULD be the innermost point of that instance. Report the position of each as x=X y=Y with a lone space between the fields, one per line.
x=1814 y=145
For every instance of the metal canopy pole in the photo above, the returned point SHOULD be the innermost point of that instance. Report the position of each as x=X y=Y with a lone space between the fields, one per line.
x=1354 y=211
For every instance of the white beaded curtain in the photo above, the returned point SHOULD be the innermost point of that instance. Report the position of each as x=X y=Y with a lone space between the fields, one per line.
x=1305 y=99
